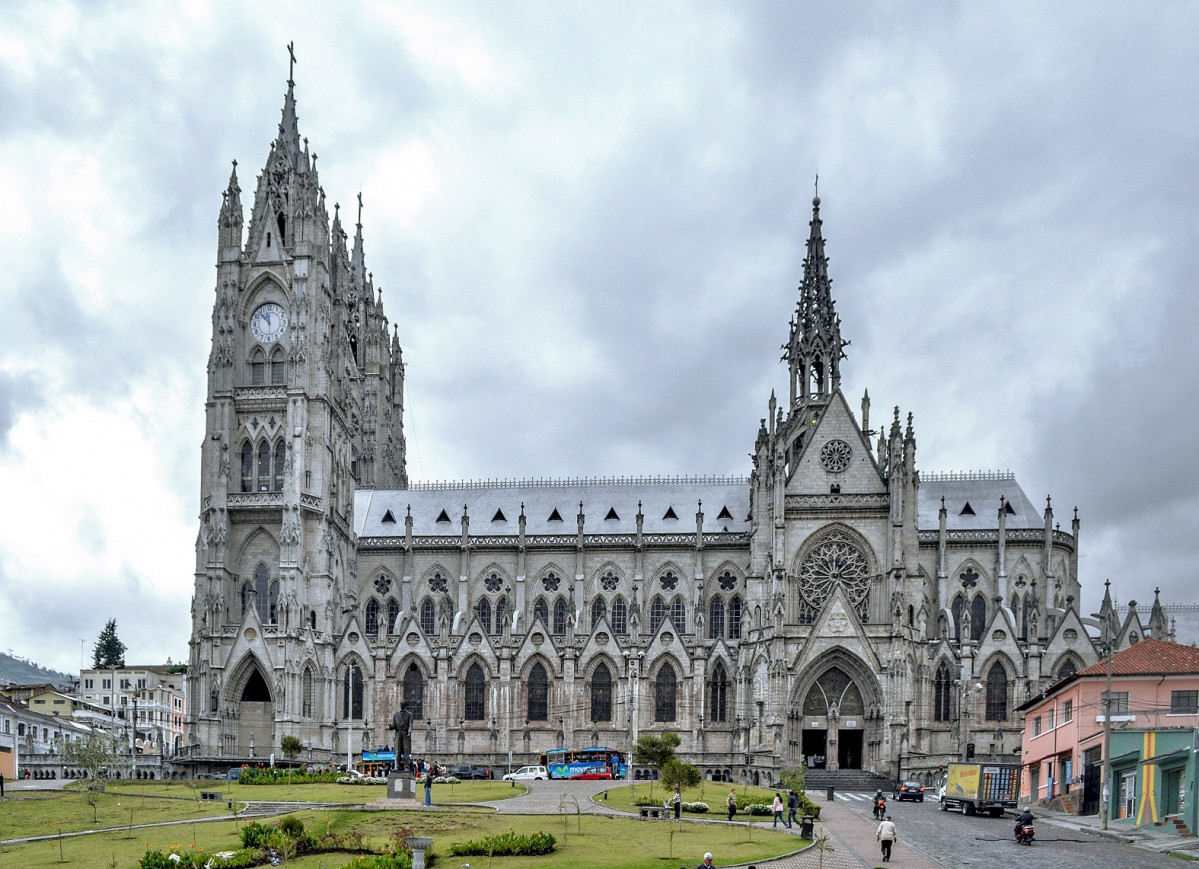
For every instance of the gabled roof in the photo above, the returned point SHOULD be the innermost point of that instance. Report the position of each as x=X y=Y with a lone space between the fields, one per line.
x=1149 y=657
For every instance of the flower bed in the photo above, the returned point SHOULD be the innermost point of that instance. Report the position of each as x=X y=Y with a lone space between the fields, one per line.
x=507 y=845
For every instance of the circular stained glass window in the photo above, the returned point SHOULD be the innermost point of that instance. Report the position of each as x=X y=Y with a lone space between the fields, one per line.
x=551 y=581
x=835 y=456
x=493 y=583
x=835 y=561
x=382 y=585
x=669 y=581
x=728 y=582
x=437 y=583
x=609 y=582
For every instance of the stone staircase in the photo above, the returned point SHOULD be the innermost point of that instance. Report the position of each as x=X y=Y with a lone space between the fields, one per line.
x=850 y=780
x=270 y=808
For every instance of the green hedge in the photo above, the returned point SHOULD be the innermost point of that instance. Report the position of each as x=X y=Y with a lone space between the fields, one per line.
x=507 y=845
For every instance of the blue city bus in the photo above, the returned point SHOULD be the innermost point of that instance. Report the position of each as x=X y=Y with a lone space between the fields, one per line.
x=565 y=762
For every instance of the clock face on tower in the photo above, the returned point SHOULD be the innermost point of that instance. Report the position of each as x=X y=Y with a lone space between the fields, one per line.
x=269 y=322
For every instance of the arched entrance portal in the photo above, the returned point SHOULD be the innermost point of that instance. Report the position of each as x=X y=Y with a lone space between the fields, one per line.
x=255 y=716
x=833 y=722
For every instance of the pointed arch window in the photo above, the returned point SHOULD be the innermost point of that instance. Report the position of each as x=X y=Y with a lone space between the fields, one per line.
x=280 y=462
x=428 y=617
x=501 y=614
x=414 y=691
x=978 y=617
x=678 y=615
x=620 y=617
x=258 y=368
x=1067 y=669
x=483 y=611
x=559 y=616
x=718 y=691
x=959 y=603
x=278 y=367
x=264 y=467
x=538 y=706
x=351 y=693
x=247 y=467
x=272 y=609
x=997 y=693
x=393 y=614
x=541 y=611
x=262 y=590
x=372 y=618
x=601 y=694
x=599 y=609
x=942 y=693
x=715 y=618
x=657 y=613
x=475 y=696
x=736 y=612
x=666 y=688
x=306 y=694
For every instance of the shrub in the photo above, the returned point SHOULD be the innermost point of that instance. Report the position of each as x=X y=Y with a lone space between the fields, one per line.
x=292 y=826
x=255 y=835
x=178 y=858
x=696 y=808
x=507 y=845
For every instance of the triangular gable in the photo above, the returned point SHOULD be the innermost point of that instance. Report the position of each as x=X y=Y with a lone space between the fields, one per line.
x=836 y=424
x=482 y=646
x=412 y=641
x=1132 y=631
x=1069 y=636
x=358 y=646
x=659 y=646
x=540 y=642
x=610 y=648
x=837 y=625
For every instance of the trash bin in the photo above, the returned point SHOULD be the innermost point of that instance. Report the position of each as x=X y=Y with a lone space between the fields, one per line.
x=829 y=795
x=805 y=826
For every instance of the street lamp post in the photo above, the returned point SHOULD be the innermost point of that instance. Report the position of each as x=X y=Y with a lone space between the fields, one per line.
x=964 y=695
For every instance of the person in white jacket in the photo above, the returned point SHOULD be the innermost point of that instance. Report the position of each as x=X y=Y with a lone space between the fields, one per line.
x=887 y=836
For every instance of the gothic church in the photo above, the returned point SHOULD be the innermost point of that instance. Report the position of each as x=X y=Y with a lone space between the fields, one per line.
x=835 y=608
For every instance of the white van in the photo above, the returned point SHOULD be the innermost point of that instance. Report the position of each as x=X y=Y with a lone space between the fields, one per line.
x=528 y=773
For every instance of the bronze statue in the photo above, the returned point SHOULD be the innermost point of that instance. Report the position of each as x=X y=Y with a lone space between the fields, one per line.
x=401 y=723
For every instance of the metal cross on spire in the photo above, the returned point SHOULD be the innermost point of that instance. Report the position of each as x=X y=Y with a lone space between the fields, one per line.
x=360 y=208
x=816 y=191
x=291 y=69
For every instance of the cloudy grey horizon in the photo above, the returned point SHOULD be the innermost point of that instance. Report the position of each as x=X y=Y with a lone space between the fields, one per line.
x=588 y=224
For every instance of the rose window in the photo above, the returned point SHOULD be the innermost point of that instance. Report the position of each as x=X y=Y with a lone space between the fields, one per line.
x=834 y=455
x=609 y=582
x=493 y=583
x=836 y=561
x=551 y=581
x=669 y=581
x=728 y=582
x=382 y=585
x=437 y=583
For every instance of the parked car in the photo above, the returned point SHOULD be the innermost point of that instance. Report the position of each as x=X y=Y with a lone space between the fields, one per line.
x=908 y=790
x=593 y=773
x=528 y=773
x=234 y=773
x=466 y=772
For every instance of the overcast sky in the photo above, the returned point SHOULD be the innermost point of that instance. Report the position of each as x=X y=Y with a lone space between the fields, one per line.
x=588 y=223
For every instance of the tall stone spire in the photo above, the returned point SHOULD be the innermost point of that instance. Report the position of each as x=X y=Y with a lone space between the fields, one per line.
x=289 y=130
x=814 y=348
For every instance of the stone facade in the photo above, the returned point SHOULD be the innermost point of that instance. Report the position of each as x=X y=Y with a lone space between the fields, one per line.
x=834 y=607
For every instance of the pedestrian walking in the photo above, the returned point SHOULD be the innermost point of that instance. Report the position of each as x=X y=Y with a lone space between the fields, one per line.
x=778 y=809
x=678 y=803
x=792 y=808
x=732 y=801
x=887 y=836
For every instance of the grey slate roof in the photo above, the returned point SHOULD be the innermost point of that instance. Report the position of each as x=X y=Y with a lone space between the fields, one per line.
x=541 y=498
x=605 y=497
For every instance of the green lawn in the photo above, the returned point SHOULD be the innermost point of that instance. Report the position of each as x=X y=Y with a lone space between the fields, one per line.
x=583 y=840
x=715 y=794
x=41 y=813
x=465 y=792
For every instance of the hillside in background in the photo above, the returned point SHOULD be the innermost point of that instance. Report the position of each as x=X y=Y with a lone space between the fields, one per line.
x=14 y=670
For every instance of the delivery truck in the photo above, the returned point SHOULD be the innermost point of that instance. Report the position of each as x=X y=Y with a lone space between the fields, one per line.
x=980 y=787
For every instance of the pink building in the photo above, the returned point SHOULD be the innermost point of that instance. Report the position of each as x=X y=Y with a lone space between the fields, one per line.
x=1155 y=685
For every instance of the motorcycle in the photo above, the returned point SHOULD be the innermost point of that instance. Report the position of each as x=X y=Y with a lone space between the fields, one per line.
x=1025 y=833
x=880 y=810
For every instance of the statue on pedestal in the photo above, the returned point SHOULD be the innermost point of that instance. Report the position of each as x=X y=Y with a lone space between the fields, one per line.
x=401 y=723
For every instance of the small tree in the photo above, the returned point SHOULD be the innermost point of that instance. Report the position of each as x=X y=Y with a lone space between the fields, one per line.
x=109 y=652
x=793 y=779
x=655 y=751
x=677 y=774
x=291 y=747
x=94 y=753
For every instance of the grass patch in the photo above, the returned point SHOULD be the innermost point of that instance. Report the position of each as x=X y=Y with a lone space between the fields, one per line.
x=582 y=840
x=322 y=792
x=44 y=813
x=624 y=797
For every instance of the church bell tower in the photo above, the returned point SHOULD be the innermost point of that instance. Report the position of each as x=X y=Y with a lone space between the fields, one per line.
x=304 y=405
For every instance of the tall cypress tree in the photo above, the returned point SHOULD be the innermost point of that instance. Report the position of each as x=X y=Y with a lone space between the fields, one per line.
x=109 y=652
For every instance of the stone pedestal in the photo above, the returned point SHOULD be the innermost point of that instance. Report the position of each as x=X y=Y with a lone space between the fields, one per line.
x=419 y=845
x=399 y=786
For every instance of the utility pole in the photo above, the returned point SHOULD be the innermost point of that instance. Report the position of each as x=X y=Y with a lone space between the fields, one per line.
x=1107 y=731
